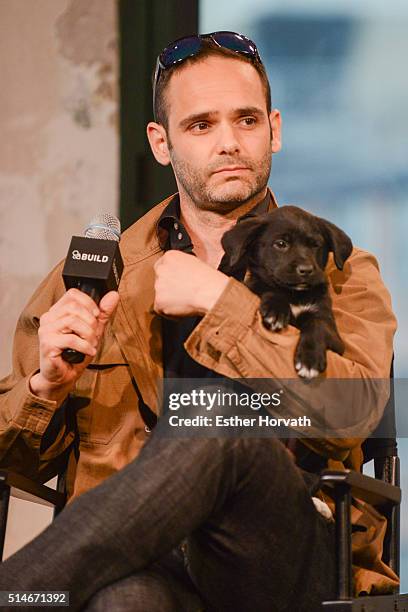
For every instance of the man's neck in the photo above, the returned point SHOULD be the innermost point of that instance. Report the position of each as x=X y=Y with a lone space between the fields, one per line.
x=206 y=227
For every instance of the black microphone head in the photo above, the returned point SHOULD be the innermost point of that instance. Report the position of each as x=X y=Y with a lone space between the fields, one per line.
x=103 y=226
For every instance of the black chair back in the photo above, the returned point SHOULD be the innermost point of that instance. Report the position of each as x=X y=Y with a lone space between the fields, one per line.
x=382 y=447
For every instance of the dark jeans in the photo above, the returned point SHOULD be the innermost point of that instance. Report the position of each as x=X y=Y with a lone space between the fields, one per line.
x=164 y=586
x=254 y=539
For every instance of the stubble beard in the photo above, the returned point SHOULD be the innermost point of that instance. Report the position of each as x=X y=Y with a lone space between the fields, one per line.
x=209 y=198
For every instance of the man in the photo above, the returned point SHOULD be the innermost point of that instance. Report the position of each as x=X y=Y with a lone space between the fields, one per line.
x=254 y=538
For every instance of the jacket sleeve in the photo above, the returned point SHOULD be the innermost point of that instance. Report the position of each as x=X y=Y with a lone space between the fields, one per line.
x=232 y=340
x=25 y=418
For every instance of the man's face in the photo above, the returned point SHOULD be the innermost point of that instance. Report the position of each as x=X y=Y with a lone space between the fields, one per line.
x=219 y=137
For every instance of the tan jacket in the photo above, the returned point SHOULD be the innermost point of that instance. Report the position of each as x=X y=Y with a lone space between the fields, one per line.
x=230 y=339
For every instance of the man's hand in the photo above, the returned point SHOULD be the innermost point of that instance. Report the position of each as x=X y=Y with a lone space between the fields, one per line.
x=185 y=285
x=76 y=322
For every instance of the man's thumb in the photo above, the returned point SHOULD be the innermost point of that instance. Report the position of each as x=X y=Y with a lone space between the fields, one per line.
x=107 y=306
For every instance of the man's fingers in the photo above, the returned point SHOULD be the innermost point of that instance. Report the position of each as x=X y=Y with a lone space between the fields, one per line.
x=56 y=343
x=79 y=297
x=70 y=325
x=107 y=306
x=75 y=320
x=157 y=264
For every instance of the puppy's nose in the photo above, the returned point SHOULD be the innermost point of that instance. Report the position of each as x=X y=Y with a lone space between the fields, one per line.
x=304 y=269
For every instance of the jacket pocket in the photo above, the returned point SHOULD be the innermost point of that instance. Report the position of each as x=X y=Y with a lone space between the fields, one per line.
x=104 y=396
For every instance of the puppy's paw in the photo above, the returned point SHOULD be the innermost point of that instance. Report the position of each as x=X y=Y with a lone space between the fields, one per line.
x=310 y=361
x=275 y=315
x=305 y=372
x=274 y=322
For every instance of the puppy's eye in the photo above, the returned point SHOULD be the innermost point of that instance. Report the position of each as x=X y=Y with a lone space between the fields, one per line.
x=281 y=244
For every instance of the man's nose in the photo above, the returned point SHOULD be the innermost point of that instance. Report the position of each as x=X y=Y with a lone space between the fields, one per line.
x=304 y=269
x=227 y=140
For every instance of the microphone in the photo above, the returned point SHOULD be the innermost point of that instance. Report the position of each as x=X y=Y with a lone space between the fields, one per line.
x=93 y=265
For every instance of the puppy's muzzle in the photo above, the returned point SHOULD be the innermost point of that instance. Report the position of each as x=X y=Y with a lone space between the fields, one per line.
x=304 y=270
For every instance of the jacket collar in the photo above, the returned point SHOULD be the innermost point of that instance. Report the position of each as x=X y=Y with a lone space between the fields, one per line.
x=141 y=239
x=172 y=234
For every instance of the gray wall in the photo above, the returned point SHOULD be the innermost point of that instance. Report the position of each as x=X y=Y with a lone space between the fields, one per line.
x=58 y=153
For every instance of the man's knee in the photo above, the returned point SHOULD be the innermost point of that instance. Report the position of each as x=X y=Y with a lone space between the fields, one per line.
x=209 y=448
x=244 y=455
x=262 y=452
x=137 y=593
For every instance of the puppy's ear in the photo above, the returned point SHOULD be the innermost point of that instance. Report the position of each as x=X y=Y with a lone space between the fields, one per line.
x=238 y=240
x=337 y=241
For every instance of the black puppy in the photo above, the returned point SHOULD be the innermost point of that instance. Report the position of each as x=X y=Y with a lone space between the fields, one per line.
x=283 y=255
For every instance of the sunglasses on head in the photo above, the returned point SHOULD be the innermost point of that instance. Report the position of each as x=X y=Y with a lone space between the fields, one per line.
x=189 y=46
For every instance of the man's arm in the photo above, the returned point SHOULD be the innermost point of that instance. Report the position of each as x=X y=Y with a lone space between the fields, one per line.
x=362 y=309
x=33 y=395
x=232 y=341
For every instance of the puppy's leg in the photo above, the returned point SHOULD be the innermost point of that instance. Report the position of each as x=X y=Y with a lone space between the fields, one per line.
x=318 y=333
x=333 y=340
x=310 y=355
x=275 y=311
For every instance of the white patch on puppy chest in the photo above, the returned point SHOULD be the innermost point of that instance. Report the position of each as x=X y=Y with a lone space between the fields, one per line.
x=297 y=309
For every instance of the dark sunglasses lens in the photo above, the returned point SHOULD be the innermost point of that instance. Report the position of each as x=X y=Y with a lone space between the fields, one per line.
x=180 y=50
x=235 y=42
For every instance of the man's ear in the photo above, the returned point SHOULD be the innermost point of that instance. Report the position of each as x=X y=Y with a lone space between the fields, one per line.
x=276 y=130
x=158 y=142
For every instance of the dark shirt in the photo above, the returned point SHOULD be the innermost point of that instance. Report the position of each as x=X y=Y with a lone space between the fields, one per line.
x=177 y=363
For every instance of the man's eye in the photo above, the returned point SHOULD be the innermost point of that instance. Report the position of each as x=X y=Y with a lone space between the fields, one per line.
x=280 y=244
x=200 y=127
x=249 y=121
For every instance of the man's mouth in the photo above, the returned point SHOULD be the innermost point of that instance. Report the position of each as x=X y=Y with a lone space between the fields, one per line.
x=230 y=169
